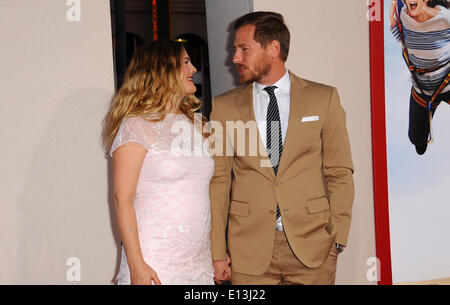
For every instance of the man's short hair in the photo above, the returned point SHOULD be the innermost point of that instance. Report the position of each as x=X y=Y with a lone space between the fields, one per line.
x=269 y=26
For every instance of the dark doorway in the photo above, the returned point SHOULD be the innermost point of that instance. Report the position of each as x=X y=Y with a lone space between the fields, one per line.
x=135 y=22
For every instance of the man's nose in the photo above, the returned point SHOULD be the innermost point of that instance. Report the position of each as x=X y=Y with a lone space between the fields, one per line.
x=237 y=58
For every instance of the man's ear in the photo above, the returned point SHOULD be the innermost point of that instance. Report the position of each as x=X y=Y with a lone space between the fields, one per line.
x=274 y=49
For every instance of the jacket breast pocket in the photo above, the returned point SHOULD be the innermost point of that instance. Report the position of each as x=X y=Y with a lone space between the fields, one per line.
x=309 y=124
x=238 y=208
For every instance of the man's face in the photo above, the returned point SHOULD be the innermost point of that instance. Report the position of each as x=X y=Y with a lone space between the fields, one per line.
x=252 y=61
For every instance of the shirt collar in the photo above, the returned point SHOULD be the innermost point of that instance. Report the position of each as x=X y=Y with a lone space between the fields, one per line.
x=284 y=84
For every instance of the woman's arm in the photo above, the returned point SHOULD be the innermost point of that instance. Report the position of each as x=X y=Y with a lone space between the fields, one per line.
x=127 y=163
x=392 y=13
x=395 y=29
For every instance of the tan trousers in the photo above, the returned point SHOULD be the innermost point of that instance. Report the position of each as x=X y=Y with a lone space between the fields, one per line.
x=286 y=269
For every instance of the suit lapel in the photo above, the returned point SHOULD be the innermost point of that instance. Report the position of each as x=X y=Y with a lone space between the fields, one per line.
x=244 y=103
x=244 y=107
x=295 y=113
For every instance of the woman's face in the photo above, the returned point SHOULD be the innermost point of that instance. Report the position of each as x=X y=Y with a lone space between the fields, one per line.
x=415 y=7
x=187 y=72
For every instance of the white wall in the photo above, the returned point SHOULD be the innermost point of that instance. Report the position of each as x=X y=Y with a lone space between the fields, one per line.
x=329 y=44
x=55 y=87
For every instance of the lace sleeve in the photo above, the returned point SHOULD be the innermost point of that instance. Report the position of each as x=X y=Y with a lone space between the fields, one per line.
x=132 y=130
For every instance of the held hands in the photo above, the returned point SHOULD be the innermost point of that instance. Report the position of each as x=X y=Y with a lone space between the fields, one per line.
x=222 y=270
x=143 y=274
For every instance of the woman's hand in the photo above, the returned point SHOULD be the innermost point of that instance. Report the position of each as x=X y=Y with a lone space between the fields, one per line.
x=222 y=270
x=144 y=275
x=392 y=13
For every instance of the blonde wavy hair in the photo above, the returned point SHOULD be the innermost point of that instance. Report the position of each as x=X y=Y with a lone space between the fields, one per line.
x=151 y=83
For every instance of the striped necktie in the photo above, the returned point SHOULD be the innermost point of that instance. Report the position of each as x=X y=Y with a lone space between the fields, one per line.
x=274 y=142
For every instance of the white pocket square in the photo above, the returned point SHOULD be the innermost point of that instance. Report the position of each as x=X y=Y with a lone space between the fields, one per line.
x=310 y=118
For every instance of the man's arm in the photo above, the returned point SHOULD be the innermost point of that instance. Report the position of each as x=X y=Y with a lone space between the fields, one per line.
x=338 y=167
x=220 y=188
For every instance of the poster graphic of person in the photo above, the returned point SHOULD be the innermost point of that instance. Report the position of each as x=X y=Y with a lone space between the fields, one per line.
x=423 y=29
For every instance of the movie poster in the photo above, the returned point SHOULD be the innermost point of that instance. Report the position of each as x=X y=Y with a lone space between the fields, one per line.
x=417 y=61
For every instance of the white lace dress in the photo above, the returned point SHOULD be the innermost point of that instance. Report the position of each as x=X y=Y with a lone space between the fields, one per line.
x=172 y=200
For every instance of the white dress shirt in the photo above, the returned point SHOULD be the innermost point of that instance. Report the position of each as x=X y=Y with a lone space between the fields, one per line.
x=261 y=103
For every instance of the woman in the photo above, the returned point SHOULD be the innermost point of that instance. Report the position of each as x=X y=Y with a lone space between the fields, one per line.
x=423 y=29
x=161 y=190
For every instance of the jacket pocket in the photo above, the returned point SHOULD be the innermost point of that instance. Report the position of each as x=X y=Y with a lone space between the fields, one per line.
x=318 y=205
x=238 y=208
x=310 y=123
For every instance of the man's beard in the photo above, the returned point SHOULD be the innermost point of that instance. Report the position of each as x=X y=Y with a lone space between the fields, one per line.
x=260 y=71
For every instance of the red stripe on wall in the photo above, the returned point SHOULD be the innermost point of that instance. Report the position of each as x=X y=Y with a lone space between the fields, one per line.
x=380 y=183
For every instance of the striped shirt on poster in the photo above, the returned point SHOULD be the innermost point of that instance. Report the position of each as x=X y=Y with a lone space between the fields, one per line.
x=428 y=47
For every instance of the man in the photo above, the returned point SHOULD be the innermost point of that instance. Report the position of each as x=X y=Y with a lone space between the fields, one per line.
x=288 y=221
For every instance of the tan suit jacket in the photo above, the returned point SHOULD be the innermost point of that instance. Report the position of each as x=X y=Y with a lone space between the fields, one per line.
x=313 y=187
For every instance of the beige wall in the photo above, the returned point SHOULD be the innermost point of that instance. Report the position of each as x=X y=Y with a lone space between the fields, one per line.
x=330 y=44
x=56 y=84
